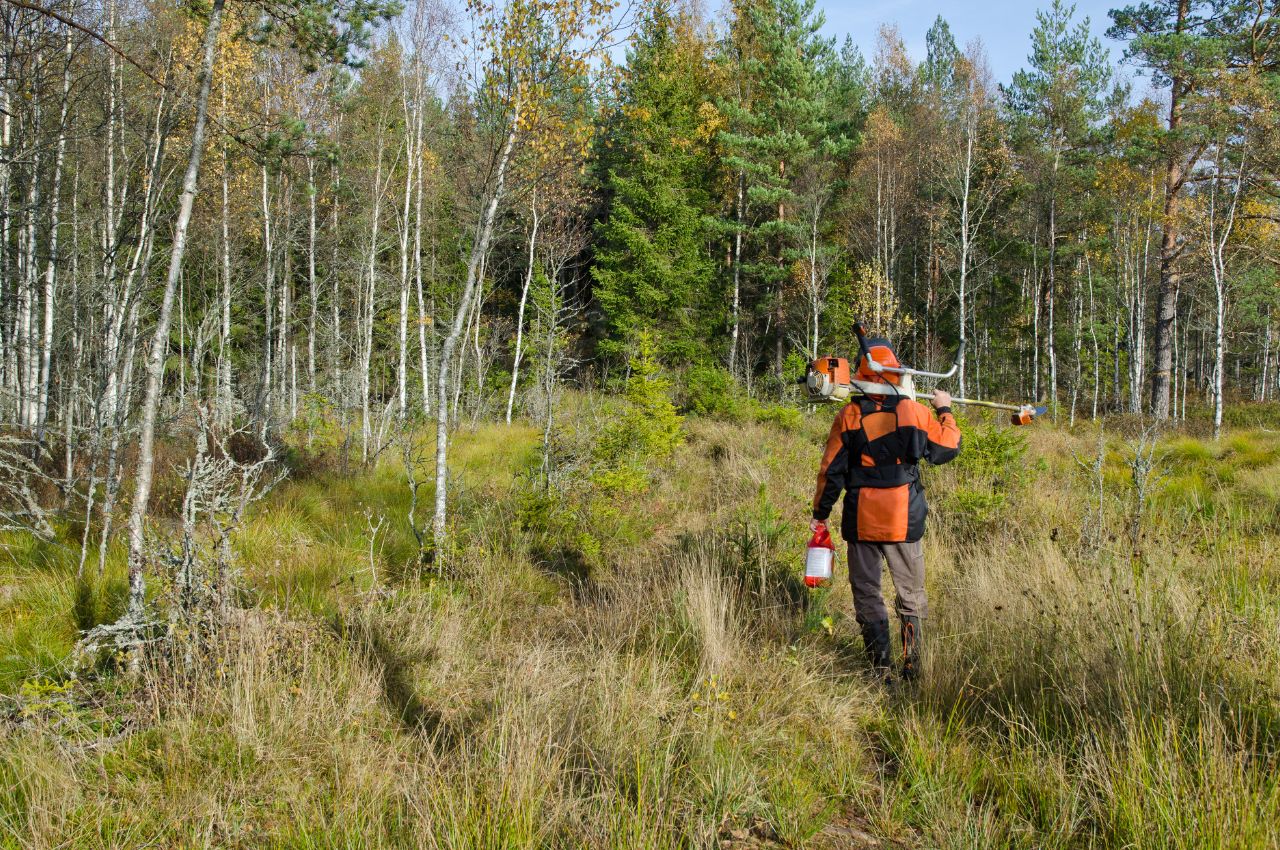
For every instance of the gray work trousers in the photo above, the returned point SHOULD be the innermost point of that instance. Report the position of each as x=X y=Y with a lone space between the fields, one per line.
x=906 y=567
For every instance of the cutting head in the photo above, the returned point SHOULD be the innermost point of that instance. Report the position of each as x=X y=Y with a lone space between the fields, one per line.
x=1027 y=414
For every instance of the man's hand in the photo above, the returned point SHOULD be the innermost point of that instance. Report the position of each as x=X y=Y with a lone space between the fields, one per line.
x=941 y=398
x=815 y=524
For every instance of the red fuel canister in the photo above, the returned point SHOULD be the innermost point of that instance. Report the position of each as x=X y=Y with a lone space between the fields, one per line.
x=819 y=558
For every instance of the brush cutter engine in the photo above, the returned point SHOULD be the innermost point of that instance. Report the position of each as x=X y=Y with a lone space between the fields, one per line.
x=828 y=379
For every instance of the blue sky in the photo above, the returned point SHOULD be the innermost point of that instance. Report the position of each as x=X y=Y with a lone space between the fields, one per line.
x=1003 y=25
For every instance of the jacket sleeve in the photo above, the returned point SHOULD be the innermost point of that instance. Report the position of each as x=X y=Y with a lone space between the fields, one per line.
x=944 y=437
x=833 y=471
x=924 y=437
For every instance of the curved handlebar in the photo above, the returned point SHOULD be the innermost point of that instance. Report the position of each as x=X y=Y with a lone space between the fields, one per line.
x=861 y=332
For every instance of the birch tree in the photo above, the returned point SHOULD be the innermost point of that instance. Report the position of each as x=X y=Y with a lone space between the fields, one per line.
x=1224 y=191
x=975 y=177
x=518 y=51
x=155 y=359
x=315 y=35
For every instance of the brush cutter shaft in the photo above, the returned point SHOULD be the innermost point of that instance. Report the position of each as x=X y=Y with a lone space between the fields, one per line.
x=869 y=388
x=1023 y=414
x=995 y=405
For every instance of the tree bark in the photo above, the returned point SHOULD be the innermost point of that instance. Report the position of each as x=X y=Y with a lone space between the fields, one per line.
x=268 y=304
x=224 y=336
x=524 y=300
x=28 y=370
x=411 y=157
x=155 y=357
x=50 y=273
x=1170 y=246
x=965 y=241
x=370 y=306
x=1219 y=236
x=737 y=275
x=1050 y=293
x=479 y=249
x=8 y=350
x=311 y=275
x=423 y=316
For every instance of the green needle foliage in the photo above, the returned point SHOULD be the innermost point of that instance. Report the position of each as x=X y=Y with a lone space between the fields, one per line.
x=652 y=267
x=783 y=134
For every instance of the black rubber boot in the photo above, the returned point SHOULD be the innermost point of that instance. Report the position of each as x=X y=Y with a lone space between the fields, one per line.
x=910 y=648
x=875 y=637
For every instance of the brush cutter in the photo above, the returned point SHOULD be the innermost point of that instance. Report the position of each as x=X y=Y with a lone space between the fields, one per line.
x=830 y=379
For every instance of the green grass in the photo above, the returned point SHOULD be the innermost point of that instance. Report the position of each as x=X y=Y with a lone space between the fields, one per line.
x=643 y=670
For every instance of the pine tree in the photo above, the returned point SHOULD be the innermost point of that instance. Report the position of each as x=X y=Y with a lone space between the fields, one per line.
x=1057 y=103
x=780 y=127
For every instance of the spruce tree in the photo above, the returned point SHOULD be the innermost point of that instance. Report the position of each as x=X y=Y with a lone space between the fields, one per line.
x=653 y=266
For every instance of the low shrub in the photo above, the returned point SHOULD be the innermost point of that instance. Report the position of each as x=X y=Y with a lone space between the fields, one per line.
x=779 y=415
x=711 y=392
x=991 y=468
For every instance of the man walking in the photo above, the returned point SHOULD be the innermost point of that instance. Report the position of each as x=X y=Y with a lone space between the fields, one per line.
x=872 y=453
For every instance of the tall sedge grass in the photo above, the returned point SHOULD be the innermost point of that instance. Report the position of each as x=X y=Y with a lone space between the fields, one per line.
x=680 y=690
x=1097 y=695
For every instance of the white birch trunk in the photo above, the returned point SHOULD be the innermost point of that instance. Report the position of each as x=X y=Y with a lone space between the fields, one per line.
x=311 y=275
x=524 y=300
x=402 y=367
x=155 y=357
x=1266 y=363
x=27 y=275
x=1219 y=236
x=50 y=273
x=424 y=372
x=966 y=238
x=815 y=295
x=268 y=303
x=371 y=292
x=1051 y=349
x=335 y=294
x=479 y=250
x=1093 y=333
x=8 y=351
x=737 y=276
x=283 y=346
x=224 y=335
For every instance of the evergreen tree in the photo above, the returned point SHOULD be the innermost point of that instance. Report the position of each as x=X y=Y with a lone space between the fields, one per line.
x=1056 y=104
x=653 y=266
x=941 y=54
x=775 y=140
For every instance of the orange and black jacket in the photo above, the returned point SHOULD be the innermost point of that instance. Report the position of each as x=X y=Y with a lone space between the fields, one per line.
x=872 y=453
